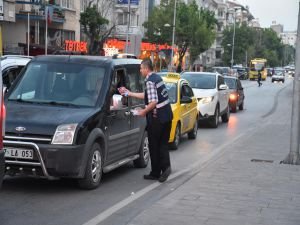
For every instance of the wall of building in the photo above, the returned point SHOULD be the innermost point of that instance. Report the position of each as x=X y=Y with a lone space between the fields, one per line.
x=16 y=35
x=72 y=18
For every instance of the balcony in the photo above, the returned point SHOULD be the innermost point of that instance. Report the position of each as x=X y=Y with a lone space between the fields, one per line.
x=123 y=4
x=37 y=12
x=121 y=30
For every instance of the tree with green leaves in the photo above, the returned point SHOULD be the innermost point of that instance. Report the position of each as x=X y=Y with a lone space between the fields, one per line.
x=194 y=28
x=96 y=26
x=255 y=43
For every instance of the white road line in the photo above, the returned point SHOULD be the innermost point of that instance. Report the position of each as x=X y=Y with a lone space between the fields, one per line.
x=200 y=163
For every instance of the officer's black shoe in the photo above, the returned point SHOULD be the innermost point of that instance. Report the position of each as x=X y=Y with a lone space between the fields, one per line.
x=164 y=176
x=150 y=177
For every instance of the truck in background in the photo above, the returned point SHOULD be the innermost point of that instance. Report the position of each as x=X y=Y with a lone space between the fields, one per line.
x=258 y=64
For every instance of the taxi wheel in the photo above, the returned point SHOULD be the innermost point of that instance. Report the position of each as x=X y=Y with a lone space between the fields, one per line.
x=175 y=143
x=144 y=153
x=193 y=133
x=93 y=171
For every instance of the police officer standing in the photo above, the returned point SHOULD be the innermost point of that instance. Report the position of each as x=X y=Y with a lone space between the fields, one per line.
x=159 y=119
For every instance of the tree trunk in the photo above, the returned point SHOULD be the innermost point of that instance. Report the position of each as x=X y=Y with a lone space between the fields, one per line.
x=181 y=55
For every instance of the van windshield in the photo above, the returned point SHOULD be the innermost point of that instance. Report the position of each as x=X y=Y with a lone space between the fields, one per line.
x=59 y=84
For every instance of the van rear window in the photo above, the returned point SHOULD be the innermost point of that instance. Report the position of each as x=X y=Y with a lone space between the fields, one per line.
x=59 y=84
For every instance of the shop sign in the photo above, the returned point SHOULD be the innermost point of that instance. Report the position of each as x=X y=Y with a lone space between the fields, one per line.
x=111 y=51
x=76 y=46
x=132 y=2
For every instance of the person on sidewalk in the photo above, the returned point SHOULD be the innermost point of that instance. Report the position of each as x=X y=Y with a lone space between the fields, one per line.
x=259 y=78
x=159 y=117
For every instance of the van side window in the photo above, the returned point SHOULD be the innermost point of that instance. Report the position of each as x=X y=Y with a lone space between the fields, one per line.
x=118 y=80
x=10 y=74
x=135 y=82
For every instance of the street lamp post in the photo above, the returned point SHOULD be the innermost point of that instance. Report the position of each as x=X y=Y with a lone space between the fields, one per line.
x=128 y=25
x=173 y=35
x=233 y=36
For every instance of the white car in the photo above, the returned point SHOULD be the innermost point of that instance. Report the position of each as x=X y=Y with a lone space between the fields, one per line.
x=212 y=94
x=278 y=76
x=11 y=66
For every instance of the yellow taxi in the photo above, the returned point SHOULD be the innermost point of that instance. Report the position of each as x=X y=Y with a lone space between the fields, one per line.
x=184 y=107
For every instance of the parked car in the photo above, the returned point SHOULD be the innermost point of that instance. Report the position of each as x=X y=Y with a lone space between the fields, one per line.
x=242 y=73
x=236 y=97
x=212 y=94
x=124 y=56
x=2 y=131
x=11 y=66
x=278 y=76
x=225 y=71
x=291 y=72
x=65 y=118
x=184 y=107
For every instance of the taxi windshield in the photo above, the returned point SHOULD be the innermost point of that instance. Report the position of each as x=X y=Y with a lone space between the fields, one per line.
x=59 y=84
x=172 y=91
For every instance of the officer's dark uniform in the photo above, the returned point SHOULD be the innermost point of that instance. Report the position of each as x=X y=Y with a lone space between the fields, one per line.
x=159 y=127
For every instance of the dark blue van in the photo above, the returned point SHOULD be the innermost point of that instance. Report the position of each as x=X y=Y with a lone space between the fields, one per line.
x=65 y=118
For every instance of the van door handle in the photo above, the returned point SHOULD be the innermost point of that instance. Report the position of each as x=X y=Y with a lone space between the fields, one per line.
x=127 y=113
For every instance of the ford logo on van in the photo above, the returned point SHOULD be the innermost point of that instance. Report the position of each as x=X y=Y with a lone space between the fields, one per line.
x=20 y=129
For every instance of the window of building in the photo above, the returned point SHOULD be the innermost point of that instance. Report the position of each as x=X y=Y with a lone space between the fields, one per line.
x=68 y=4
x=220 y=13
x=122 y=19
x=218 y=54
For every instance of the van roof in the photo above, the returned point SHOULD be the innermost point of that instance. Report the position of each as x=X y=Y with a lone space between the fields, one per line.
x=83 y=59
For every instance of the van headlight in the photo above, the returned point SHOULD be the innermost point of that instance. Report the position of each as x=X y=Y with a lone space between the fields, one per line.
x=64 y=134
x=206 y=100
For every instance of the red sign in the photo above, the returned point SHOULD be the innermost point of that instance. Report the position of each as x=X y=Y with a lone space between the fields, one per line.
x=77 y=46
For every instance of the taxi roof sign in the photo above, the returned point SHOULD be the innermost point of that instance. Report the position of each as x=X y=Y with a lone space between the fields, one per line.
x=173 y=75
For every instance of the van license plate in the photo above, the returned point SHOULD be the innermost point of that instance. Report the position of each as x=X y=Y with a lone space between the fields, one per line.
x=19 y=153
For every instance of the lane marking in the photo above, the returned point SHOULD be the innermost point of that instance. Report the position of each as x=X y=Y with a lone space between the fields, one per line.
x=195 y=166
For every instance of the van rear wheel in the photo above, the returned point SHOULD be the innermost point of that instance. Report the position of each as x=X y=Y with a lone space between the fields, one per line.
x=93 y=171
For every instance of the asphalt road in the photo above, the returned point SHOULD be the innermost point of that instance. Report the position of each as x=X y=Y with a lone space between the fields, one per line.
x=37 y=201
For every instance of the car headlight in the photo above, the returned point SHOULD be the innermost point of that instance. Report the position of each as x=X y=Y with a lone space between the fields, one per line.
x=64 y=134
x=206 y=100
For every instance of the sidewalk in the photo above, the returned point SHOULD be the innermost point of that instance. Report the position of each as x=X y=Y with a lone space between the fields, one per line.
x=237 y=188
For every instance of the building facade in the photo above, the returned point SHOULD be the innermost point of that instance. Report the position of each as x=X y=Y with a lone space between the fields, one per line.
x=278 y=28
x=61 y=16
x=289 y=38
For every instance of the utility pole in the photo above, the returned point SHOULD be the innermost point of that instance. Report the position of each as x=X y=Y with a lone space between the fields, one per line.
x=173 y=35
x=128 y=26
x=293 y=156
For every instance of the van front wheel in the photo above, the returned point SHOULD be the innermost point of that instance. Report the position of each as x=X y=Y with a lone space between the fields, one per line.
x=144 y=153
x=93 y=171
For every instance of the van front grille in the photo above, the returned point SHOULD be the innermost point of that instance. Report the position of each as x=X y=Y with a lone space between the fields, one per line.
x=38 y=139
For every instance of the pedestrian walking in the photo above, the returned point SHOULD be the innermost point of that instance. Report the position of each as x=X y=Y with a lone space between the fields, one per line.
x=159 y=116
x=259 y=78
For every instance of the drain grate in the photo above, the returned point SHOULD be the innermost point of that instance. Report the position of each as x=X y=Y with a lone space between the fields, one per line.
x=262 y=160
